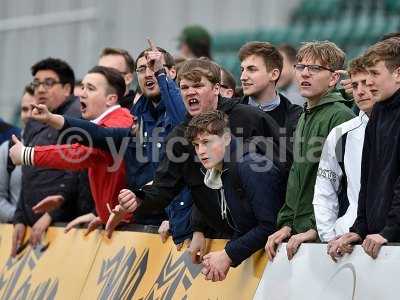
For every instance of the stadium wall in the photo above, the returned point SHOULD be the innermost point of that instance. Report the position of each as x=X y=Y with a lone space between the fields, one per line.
x=77 y=30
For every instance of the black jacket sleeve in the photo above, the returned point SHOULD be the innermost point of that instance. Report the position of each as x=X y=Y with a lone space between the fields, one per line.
x=197 y=221
x=360 y=225
x=391 y=231
x=265 y=191
x=19 y=215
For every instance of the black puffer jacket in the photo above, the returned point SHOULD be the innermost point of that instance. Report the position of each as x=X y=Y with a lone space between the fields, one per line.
x=38 y=183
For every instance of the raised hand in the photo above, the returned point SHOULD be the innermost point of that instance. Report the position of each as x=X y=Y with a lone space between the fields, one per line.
x=40 y=113
x=154 y=57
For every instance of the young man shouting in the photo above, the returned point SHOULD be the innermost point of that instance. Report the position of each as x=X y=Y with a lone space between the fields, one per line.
x=102 y=88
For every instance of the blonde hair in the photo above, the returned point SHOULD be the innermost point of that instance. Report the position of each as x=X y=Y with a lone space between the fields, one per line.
x=328 y=53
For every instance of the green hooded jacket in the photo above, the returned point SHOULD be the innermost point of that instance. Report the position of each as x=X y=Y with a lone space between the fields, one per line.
x=312 y=129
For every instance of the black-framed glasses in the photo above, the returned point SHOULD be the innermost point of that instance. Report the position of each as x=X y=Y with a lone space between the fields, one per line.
x=142 y=69
x=48 y=83
x=313 y=69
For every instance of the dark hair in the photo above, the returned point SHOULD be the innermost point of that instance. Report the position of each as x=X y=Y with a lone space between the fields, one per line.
x=114 y=79
x=228 y=79
x=169 y=59
x=289 y=51
x=194 y=69
x=60 y=67
x=357 y=65
x=28 y=89
x=130 y=63
x=197 y=39
x=387 y=51
x=271 y=56
x=212 y=122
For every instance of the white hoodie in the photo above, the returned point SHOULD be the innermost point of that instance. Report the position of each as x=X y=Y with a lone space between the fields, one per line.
x=330 y=178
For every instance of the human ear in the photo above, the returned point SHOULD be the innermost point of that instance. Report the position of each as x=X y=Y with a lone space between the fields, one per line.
x=227 y=138
x=111 y=99
x=128 y=79
x=396 y=75
x=275 y=74
x=216 y=89
x=334 y=79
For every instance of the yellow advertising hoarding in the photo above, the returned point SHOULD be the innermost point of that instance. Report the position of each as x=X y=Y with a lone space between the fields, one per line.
x=131 y=265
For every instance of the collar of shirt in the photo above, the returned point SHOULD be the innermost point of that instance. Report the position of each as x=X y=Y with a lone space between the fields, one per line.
x=266 y=105
x=364 y=117
x=108 y=111
x=212 y=179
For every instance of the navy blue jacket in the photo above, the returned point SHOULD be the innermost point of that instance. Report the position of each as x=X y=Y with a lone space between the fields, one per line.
x=253 y=208
x=147 y=148
x=7 y=130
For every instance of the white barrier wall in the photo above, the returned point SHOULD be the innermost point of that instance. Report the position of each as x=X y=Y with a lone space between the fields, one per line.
x=313 y=275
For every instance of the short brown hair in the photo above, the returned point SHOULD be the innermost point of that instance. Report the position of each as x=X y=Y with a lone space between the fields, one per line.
x=116 y=83
x=270 y=54
x=289 y=51
x=213 y=122
x=194 y=69
x=387 y=51
x=356 y=66
x=328 y=53
x=130 y=63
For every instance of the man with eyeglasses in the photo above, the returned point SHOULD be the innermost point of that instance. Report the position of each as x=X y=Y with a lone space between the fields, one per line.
x=53 y=86
x=317 y=75
x=122 y=61
x=261 y=67
x=157 y=112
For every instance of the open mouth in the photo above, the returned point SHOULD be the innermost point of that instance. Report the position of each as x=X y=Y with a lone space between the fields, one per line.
x=204 y=160
x=83 y=106
x=193 y=102
x=150 y=84
x=305 y=84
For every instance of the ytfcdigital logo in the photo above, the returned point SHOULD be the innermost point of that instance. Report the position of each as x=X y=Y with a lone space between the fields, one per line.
x=76 y=146
x=74 y=136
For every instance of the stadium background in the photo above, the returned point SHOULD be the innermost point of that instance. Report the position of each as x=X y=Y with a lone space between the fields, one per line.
x=77 y=30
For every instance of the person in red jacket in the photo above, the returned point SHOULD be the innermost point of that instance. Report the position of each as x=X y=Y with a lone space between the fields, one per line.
x=102 y=89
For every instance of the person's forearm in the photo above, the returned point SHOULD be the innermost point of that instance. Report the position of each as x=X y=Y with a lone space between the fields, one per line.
x=309 y=236
x=56 y=121
x=242 y=248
